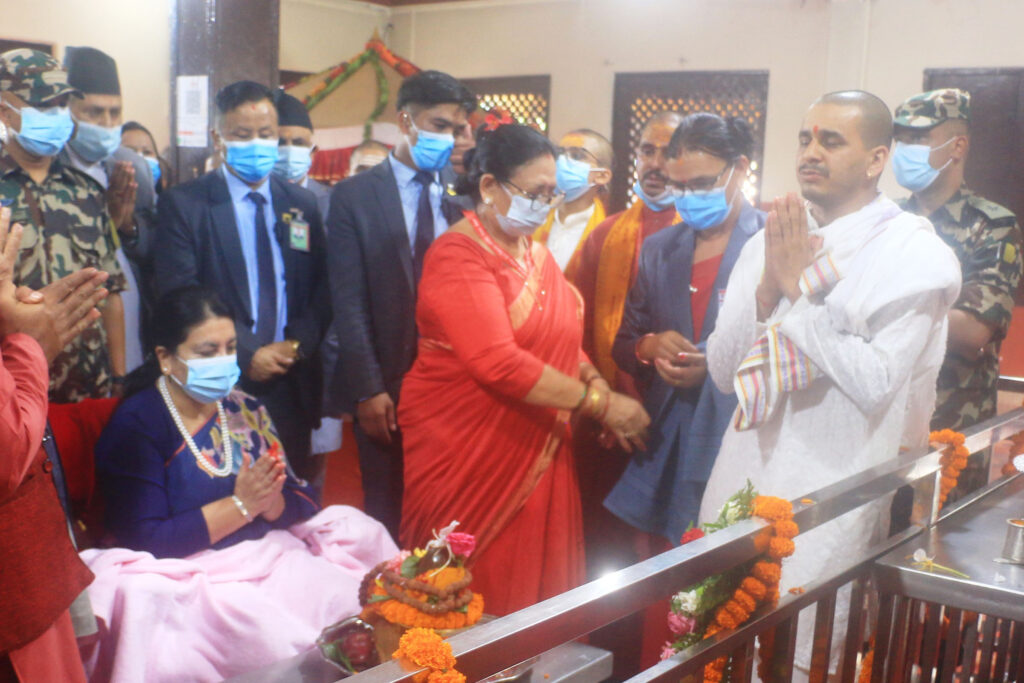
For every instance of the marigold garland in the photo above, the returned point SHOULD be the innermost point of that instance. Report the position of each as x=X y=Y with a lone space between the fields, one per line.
x=1016 y=448
x=762 y=586
x=953 y=460
x=422 y=648
x=406 y=615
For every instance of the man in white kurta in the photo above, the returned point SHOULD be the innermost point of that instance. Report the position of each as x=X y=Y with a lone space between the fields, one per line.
x=865 y=344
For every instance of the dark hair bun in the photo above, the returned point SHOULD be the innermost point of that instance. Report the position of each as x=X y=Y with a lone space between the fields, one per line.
x=726 y=138
x=501 y=152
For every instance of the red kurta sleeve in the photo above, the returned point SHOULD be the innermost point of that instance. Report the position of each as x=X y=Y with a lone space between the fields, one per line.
x=24 y=380
x=462 y=303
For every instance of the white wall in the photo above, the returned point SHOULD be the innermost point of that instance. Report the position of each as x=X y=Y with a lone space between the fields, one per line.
x=583 y=43
x=316 y=34
x=809 y=47
x=136 y=33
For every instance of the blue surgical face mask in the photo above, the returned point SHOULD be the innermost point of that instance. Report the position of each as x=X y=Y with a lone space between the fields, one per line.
x=703 y=210
x=573 y=176
x=432 y=150
x=522 y=218
x=293 y=162
x=251 y=160
x=912 y=168
x=44 y=132
x=663 y=201
x=154 y=167
x=95 y=143
x=210 y=379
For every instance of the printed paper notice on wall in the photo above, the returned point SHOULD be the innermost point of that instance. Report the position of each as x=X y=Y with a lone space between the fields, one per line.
x=193 y=110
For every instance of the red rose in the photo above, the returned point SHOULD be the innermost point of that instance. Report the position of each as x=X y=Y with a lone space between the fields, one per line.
x=461 y=544
x=691 y=535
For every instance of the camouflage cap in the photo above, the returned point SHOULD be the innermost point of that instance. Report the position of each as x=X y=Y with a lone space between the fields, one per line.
x=933 y=107
x=34 y=76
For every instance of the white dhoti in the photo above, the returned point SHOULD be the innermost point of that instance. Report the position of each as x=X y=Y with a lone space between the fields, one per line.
x=877 y=340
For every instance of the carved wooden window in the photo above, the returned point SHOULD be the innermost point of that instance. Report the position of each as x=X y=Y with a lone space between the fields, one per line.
x=525 y=98
x=638 y=96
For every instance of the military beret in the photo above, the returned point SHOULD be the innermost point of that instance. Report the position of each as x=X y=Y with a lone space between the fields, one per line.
x=931 y=108
x=291 y=111
x=92 y=71
x=34 y=76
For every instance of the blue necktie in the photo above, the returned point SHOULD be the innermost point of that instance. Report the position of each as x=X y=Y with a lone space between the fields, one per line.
x=424 y=222
x=266 y=305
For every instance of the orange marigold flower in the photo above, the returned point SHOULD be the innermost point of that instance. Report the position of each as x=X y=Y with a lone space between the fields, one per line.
x=449 y=676
x=726 y=620
x=736 y=610
x=754 y=588
x=767 y=573
x=745 y=600
x=779 y=548
x=948 y=482
x=711 y=630
x=786 y=528
x=771 y=508
x=712 y=675
x=959 y=463
x=424 y=648
x=406 y=615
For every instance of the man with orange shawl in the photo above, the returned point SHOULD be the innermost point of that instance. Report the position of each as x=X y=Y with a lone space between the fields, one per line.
x=583 y=174
x=608 y=264
x=609 y=255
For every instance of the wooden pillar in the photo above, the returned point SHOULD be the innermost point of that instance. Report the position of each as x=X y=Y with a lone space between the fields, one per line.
x=227 y=41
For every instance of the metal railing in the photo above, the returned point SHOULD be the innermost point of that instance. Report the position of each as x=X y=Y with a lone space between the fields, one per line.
x=495 y=646
x=1008 y=383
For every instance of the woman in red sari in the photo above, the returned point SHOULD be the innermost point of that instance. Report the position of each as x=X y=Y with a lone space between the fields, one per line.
x=485 y=409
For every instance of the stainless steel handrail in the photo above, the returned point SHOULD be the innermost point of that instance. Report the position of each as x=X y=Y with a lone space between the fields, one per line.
x=505 y=642
x=1010 y=383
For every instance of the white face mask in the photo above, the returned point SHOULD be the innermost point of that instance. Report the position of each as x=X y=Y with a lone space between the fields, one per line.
x=522 y=218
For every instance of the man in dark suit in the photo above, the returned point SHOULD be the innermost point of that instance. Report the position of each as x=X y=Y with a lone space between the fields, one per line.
x=296 y=149
x=258 y=242
x=379 y=227
x=126 y=180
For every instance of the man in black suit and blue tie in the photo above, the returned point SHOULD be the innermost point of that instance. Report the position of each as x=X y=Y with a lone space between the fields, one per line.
x=259 y=243
x=380 y=224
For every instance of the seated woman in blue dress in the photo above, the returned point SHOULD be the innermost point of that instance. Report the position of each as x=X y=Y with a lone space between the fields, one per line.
x=173 y=484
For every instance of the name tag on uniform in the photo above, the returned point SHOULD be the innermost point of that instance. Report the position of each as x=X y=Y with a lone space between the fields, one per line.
x=298 y=231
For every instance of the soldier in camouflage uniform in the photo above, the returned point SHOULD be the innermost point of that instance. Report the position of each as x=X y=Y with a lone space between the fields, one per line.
x=932 y=141
x=63 y=213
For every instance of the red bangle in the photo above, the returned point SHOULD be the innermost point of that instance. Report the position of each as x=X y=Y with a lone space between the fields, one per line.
x=636 y=349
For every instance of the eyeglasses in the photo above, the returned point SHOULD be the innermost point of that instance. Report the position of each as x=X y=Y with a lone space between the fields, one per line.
x=579 y=154
x=700 y=184
x=539 y=201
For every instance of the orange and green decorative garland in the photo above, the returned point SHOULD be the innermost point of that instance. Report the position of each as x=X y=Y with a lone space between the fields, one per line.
x=375 y=54
x=726 y=601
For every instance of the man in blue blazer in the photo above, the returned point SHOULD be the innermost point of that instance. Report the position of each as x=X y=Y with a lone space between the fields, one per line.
x=670 y=312
x=259 y=243
x=380 y=224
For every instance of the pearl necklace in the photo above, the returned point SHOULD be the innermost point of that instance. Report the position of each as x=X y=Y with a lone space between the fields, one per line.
x=205 y=464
